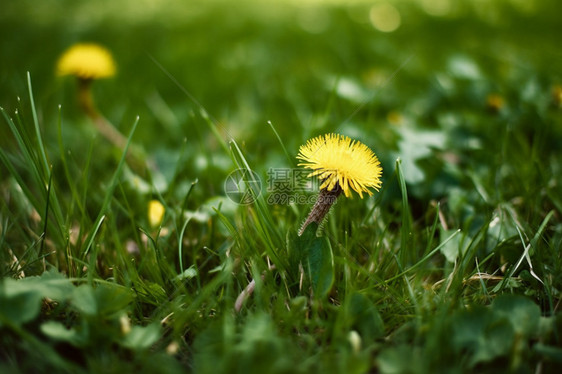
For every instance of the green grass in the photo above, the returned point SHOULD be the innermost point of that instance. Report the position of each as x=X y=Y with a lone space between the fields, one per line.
x=454 y=266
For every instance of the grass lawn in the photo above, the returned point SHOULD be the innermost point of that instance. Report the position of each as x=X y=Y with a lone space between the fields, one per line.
x=155 y=228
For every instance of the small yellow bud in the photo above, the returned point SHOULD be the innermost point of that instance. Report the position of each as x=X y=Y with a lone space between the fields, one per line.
x=495 y=103
x=125 y=324
x=172 y=348
x=155 y=213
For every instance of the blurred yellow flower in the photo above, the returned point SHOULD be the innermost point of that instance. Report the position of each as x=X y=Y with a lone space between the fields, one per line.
x=495 y=103
x=86 y=61
x=342 y=162
x=155 y=213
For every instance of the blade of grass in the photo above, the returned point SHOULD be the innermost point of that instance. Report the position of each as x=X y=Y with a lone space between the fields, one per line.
x=24 y=147
x=264 y=221
x=180 y=244
x=46 y=217
x=110 y=189
x=526 y=249
x=86 y=220
x=43 y=154
x=56 y=207
x=213 y=125
x=425 y=258
x=89 y=244
x=433 y=228
x=157 y=254
x=406 y=229
x=212 y=122
x=186 y=198
x=289 y=158
x=39 y=171
x=411 y=292
x=70 y=181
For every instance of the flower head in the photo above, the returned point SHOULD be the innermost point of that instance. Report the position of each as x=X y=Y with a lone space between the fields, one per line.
x=495 y=103
x=155 y=213
x=86 y=61
x=341 y=162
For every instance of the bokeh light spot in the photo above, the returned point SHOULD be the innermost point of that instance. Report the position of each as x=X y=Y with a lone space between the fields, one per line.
x=314 y=21
x=436 y=7
x=385 y=17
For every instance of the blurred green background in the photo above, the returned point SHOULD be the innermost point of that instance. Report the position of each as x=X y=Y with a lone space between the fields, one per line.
x=304 y=65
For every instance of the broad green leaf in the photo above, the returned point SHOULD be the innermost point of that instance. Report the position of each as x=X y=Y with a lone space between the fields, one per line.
x=57 y=331
x=112 y=298
x=105 y=299
x=18 y=304
x=553 y=354
x=321 y=266
x=84 y=300
x=500 y=228
x=483 y=334
x=53 y=285
x=142 y=337
x=364 y=317
x=523 y=313
x=20 y=300
x=416 y=145
x=188 y=273
x=298 y=303
x=453 y=245
x=497 y=340
x=399 y=360
x=315 y=254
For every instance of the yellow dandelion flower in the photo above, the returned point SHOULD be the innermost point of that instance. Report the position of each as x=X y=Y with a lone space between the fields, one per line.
x=155 y=213
x=86 y=61
x=342 y=162
x=495 y=103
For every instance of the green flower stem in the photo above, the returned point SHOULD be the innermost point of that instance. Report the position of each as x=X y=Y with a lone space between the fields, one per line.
x=104 y=127
x=135 y=156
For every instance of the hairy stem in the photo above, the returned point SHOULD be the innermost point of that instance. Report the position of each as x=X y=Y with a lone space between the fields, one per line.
x=326 y=198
